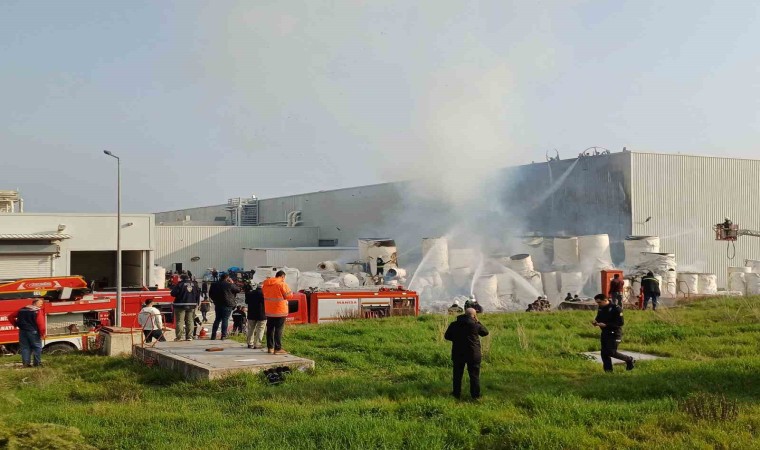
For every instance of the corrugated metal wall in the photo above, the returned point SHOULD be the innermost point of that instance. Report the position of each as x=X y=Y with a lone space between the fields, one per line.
x=685 y=196
x=222 y=247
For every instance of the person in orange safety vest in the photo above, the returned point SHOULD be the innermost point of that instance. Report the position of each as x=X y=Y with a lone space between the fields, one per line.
x=276 y=293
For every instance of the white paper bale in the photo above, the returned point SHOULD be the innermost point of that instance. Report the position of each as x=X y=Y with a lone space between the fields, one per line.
x=462 y=278
x=534 y=278
x=656 y=262
x=594 y=252
x=708 y=283
x=349 y=280
x=262 y=273
x=551 y=287
x=635 y=284
x=635 y=245
x=752 y=281
x=485 y=291
x=461 y=258
x=505 y=284
x=566 y=252
x=572 y=282
x=435 y=253
x=754 y=265
x=688 y=283
x=291 y=276
x=521 y=263
x=669 y=286
x=737 y=282
x=310 y=280
x=330 y=266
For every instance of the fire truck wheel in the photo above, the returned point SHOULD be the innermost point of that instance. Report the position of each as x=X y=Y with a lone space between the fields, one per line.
x=59 y=348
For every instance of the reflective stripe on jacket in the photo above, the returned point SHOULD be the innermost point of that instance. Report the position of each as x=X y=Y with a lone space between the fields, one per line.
x=276 y=292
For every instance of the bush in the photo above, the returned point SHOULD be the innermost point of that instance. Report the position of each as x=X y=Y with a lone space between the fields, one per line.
x=711 y=407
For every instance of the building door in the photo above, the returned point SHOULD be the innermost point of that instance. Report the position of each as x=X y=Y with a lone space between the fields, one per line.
x=25 y=266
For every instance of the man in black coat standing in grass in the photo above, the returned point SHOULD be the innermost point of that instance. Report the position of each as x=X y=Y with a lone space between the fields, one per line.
x=464 y=335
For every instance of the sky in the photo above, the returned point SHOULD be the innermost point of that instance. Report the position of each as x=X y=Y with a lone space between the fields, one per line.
x=206 y=100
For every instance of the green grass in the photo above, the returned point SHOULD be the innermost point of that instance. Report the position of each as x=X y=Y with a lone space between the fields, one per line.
x=385 y=384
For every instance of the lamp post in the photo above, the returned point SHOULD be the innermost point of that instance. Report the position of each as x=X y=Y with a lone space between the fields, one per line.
x=118 y=236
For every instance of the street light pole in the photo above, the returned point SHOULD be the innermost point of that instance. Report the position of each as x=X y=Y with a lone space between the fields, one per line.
x=118 y=236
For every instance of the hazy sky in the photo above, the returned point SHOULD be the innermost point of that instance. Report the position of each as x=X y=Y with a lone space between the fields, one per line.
x=205 y=100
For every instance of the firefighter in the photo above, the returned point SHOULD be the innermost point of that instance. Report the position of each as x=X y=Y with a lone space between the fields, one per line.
x=472 y=302
x=464 y=335
x=616 y=290
x=380 y=266
x=238 y=320
x=186 y=297
x=455 y=308
x=651 y=288
x=609 y=319
x=30 y=321
x=569 y=297
x=276 y=291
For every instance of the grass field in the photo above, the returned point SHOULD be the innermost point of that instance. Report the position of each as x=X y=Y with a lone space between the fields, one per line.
x=385 y=384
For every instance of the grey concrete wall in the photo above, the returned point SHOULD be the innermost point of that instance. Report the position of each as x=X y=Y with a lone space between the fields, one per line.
x=204 y=215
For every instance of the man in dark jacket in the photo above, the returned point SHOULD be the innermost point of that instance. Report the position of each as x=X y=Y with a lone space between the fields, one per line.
x=616 y=290
x=651 y=288
x=464 y=335
x=186 y=298
x=257 y=318
x=609 y=318
x=224 y=295
x=30 y=321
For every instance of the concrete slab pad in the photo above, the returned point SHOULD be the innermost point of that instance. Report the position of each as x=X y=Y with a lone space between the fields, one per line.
x=195 y=363
x=597 y=357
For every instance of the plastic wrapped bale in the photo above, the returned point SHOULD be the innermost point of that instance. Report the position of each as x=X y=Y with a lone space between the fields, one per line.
x=291 y=277
x=524 y=291
x=669 y=287
x=534 y=279
x=752 y=281
x=310 y=280
x=635 y=245
x=522 y=264
x=572 y=282
x=462 y=278
x=551 y=287
x=754 y=265
x=463 y=258
x=330 y=266
x=708 y=284
x=505 y=288
x=656 y=262
x=566 y=252
x=485 y=290
x=435 y=253
x=594 y=251
x=737 y=279
x=349 y=280
x=262 y=273
x=688 y=283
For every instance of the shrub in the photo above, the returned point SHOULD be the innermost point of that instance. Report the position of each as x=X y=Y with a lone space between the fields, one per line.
x=711 y=407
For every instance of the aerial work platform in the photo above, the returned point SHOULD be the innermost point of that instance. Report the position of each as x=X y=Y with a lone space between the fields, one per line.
x=194 y=362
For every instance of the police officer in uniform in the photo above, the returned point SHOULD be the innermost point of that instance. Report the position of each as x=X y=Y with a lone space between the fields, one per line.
x=609 y=318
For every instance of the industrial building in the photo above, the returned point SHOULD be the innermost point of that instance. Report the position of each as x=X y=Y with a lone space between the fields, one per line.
x=44 y=245
x=676 y=197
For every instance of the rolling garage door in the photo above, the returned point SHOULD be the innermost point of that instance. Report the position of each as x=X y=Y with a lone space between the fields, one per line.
x=24 y=266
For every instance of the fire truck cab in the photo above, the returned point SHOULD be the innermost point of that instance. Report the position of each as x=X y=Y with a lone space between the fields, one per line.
x=73 y=313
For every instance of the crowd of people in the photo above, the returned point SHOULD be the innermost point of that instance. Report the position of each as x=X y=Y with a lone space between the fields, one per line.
x=264 y=312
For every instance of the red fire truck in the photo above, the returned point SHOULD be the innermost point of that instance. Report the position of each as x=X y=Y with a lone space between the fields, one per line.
x=361 y=303
x=72 y=312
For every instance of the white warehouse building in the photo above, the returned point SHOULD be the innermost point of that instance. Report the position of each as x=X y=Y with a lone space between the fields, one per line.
x=676 y=197
x=44 y=245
